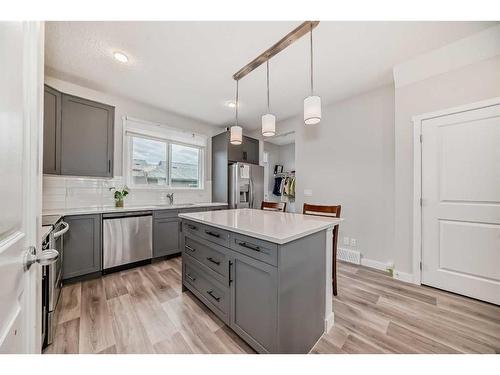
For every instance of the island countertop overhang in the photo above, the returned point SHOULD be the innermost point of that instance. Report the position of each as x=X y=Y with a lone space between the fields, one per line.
x=272 y=226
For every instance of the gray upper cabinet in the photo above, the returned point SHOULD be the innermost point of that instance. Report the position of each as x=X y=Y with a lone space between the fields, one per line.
x=247 y=152
x=250 y=150
x=51 y=131
x=82 y=246
x=87 y=137
x=223 y=152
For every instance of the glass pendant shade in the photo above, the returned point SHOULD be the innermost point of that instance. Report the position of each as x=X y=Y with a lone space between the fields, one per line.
x=268 y=125
x=236 y=137
x=312 y=110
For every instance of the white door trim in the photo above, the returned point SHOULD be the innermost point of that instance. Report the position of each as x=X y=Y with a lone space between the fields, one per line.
x=33 y=73
x=417 y=175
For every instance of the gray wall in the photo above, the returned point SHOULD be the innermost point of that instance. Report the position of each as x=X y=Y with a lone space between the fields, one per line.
x=348 y=159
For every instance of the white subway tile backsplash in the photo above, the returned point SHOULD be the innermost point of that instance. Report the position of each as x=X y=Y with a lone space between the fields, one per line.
x=76 y=192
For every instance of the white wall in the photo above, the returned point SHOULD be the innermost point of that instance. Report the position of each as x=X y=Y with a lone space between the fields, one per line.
x=287 y=157
x=348 y=159
x=69 y=192
x=468 y=84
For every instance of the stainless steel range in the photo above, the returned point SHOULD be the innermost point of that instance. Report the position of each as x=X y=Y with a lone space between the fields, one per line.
x=52 y=276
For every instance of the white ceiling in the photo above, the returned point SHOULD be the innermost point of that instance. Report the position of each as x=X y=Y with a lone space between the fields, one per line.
x=187 y=67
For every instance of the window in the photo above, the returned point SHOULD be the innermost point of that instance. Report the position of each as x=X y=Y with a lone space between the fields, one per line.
x=185 y=166
x=149 y=162
x=155 y=162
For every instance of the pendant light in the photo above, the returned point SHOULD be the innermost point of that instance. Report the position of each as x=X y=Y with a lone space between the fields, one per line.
x=312 y=104
x=268 y=120
x=236 y=136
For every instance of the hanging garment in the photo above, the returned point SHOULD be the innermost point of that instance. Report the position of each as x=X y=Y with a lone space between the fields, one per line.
x=282 y=186
x=291 y=191
x=277 y=186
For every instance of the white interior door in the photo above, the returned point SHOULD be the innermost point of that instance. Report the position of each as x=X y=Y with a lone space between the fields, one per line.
x=21 y=87
x=461 y=203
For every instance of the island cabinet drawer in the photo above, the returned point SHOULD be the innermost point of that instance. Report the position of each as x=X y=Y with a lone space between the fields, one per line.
x=211 y=255
x=212 y=234
x=212 y=293
x=255 y=248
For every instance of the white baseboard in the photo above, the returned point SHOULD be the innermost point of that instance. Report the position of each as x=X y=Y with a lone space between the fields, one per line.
x=404 y=276
x=398 y=275
x=374 y=264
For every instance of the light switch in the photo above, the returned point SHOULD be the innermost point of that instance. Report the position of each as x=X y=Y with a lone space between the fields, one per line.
x=346 y=241
x=353 y=242
x=308 y=192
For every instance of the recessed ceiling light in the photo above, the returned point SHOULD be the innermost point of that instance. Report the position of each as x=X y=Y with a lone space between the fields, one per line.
x=230 y=104
x=121 y=57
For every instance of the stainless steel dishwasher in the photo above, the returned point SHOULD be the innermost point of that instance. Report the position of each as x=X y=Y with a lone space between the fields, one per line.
x=127 y=238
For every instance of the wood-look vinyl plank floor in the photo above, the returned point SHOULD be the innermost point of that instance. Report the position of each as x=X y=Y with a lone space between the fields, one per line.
x=143 y=310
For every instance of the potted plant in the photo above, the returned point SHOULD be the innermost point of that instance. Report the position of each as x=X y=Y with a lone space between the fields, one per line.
x=119 y=195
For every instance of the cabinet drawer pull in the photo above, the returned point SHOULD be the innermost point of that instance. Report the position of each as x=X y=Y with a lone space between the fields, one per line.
x=211 y=294
x=217 y=235
x=190 y=248
x=192 y=227
x=210 y=259
x=190 y=277
x=248 y=246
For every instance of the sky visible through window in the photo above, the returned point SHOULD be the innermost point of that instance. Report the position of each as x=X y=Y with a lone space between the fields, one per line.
x=149 y=164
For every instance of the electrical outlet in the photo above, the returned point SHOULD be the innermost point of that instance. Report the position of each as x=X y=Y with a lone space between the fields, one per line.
x=308 y=192
x=346 y=241
x=353 y=242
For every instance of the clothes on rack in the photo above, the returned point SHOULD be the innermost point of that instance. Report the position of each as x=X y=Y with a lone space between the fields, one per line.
x=284 y=186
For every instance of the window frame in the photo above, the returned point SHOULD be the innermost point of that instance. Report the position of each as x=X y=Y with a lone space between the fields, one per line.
x=128 y=162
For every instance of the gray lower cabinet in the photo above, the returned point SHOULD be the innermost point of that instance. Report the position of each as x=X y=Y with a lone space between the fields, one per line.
x=166 y=236
x=167 y=230
x=82 y=246
x=254 y=302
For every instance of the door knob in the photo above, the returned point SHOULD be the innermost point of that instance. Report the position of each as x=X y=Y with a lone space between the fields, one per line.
x=45 y=258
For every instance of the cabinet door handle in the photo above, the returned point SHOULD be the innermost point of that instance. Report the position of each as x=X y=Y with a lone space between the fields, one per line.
x=210 y=259
x=109 y=165
x=248 y=246
x=190 y=277
x=217 y=235
x=190 y=248
x=192 y=227
x=230 y=266
x=211 y=294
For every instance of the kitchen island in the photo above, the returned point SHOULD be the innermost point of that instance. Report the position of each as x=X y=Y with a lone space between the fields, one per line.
x=267 y=275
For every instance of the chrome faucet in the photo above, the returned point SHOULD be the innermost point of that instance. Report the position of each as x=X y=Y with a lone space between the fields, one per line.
x=170 y=197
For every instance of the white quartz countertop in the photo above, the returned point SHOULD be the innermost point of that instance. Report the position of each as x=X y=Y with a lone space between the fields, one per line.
x=108 y=209
x=277 y=227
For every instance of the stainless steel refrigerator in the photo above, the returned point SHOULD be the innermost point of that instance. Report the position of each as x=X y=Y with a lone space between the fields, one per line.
x=246 y=185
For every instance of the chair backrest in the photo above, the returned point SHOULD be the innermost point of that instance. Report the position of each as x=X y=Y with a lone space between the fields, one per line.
x=317 y=210
x=273 y=206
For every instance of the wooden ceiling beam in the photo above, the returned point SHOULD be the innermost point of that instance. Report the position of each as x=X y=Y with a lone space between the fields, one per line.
x=284 y=42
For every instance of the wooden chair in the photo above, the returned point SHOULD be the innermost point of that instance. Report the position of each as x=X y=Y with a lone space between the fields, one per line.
x=328 y=211
x=273 y=206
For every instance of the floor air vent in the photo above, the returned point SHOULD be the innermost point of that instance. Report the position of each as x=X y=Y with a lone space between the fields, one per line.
x=347 y=255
